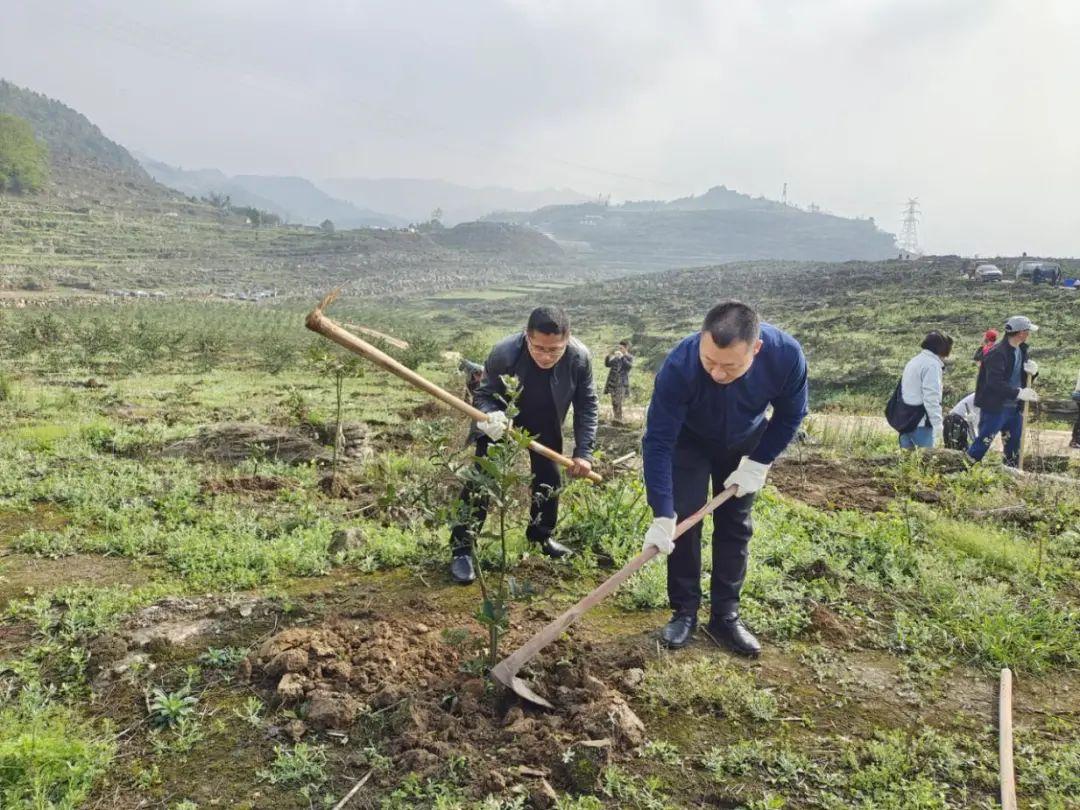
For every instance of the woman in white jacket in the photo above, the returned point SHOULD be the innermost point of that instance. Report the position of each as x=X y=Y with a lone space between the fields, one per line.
x=921 y=384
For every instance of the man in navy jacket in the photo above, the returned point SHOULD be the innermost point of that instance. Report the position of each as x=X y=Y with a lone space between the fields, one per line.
x=1004 y=382
x=707 y=420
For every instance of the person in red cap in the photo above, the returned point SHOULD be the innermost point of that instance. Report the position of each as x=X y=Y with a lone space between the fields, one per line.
x=990 y=337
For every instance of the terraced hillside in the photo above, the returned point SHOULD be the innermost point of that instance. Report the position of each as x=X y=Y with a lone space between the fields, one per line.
x=179 y=248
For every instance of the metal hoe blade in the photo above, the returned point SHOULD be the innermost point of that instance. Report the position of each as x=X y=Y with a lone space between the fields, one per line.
x=519 y=687
x=505 y=672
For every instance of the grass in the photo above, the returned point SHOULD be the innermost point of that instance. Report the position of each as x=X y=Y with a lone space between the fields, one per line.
x=930 y=588
x=49 y=756
x=700 y=685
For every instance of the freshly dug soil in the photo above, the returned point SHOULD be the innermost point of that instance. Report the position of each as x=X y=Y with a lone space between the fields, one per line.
x=403 y=679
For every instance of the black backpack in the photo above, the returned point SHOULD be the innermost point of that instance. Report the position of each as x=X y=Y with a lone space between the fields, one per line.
x=902 y=417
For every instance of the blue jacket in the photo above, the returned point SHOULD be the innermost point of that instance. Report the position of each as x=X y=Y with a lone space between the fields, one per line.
x=687 y=400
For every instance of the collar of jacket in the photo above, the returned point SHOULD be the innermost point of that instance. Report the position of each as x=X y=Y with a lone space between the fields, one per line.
x=561 y=372
x=937 y=357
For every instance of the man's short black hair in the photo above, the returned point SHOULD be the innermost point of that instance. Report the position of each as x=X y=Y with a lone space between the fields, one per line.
x=625 y=343
x=939 y=343
x=732 y=322
x=549 y=320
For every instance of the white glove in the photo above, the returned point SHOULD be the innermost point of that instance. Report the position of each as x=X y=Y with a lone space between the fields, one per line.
x=748 y=477
x=661 y=534
x=494 y=427
x=939 y=434
x=1031 y=367
x=1027 y=395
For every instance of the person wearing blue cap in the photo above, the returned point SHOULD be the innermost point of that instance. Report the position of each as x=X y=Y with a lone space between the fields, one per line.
x=1005 y=378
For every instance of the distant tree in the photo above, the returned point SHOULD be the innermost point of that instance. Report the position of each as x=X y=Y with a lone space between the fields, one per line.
x=327 y=226
x=256 y=217
x=24 y=161
x=437 y=215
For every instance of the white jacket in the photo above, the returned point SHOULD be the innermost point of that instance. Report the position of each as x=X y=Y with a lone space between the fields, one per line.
x=921 y=385
x=966 y=408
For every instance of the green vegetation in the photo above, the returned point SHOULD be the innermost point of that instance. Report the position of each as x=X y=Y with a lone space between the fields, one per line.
x=24 y=163
x=114 y=518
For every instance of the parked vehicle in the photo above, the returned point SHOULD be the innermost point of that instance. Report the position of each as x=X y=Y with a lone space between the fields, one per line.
x=1039 y=272
x=987 y=273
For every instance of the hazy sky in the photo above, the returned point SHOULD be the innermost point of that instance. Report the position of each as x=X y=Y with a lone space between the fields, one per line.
x=970 y=105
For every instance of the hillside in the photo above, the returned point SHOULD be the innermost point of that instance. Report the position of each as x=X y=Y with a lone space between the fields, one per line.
x=293 y=199
x=104 y=224
x=859 y=322
x=85 y=165
x=718 y=226
x=414 y=199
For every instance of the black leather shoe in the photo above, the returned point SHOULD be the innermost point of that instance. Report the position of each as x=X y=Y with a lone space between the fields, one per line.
x=553 y=549
x=729 y=632
x=462 y=569
x=678 y=632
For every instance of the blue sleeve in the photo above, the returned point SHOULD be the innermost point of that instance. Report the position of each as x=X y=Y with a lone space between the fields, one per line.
x=789 y=410
x=664 y=420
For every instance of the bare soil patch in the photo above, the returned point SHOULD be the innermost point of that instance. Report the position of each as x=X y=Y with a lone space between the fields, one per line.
x=832 y=484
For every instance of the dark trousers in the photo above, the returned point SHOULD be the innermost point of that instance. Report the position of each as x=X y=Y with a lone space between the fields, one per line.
x=1009 y=422
x=695 y=462
x=544 y=507
x=1076 y=427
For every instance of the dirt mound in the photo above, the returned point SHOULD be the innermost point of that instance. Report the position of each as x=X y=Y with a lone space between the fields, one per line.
x=832 y=484
x=412 y=682
x=243 y=484
x=233 y=442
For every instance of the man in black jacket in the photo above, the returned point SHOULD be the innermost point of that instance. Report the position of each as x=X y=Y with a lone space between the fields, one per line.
x=1004 y=382
x=554 y=371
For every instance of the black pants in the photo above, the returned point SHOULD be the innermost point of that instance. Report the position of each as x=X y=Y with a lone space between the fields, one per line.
x=694 y=464
x=1076 y=428
x=544 y=507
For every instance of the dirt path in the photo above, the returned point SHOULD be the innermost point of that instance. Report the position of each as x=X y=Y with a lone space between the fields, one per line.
x=1041 y=441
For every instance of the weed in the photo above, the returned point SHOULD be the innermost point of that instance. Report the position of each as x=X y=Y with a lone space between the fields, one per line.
x=168 y=709
x=704 y=685
x=301 y=765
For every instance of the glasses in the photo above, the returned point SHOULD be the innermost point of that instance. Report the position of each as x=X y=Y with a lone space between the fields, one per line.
x=547 y=351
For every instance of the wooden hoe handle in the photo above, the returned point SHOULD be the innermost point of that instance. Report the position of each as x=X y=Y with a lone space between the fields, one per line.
x=318 y=322
x=510 y=665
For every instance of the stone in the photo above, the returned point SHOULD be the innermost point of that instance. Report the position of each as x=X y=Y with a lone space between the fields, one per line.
x=291 y=687
x=327 y=709
x=594 y=687
x=543 y=795
x=628 y=725
x=287 y=661
x=167 y=635
x=296 y=729
x=347 y=540
x=633 y=678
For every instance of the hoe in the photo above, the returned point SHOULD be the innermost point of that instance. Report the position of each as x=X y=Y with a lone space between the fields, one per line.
x=506 y=671
x=318 y=322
